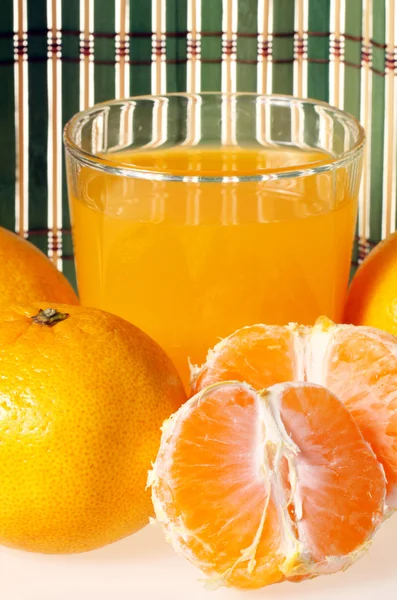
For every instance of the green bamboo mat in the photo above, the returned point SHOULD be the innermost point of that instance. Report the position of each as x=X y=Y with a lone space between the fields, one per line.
x=58 y=56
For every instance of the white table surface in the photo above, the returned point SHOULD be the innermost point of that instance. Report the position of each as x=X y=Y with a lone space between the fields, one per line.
x=144 y=567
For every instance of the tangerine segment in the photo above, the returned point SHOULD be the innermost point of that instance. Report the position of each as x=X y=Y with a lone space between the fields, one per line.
x=258 y=487
x=210 y=487
x=360 y=367
x=339 y=483
x=265 y=354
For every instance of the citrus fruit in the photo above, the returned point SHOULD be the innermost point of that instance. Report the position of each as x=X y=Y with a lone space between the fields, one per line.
x=255 y=487
x=83 y=394
x=372 y=297
x=27 y=275
x=357 y=364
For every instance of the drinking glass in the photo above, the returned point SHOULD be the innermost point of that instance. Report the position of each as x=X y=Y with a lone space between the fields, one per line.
x=194 y=215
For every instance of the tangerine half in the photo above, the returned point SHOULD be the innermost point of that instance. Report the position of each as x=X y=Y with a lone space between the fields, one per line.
x=257 y=487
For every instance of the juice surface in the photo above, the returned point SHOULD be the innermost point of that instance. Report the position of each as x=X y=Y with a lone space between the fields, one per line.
x=190 y=262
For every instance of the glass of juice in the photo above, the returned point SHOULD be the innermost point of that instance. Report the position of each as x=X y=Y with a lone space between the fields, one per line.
x=194 y=215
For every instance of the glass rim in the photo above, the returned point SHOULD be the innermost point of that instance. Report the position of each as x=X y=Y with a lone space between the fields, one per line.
x=100 y=163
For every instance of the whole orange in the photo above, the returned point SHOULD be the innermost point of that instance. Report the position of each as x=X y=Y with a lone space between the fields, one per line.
x=83 y=394
x=26 y=274
x=372 y=297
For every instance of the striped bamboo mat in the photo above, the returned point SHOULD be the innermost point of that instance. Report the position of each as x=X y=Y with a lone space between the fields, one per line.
x=60 y=56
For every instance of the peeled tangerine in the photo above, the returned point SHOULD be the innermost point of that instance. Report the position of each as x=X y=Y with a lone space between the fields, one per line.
x=262 y=476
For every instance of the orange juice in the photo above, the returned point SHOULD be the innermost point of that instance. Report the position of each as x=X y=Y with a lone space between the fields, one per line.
x=189 y=262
